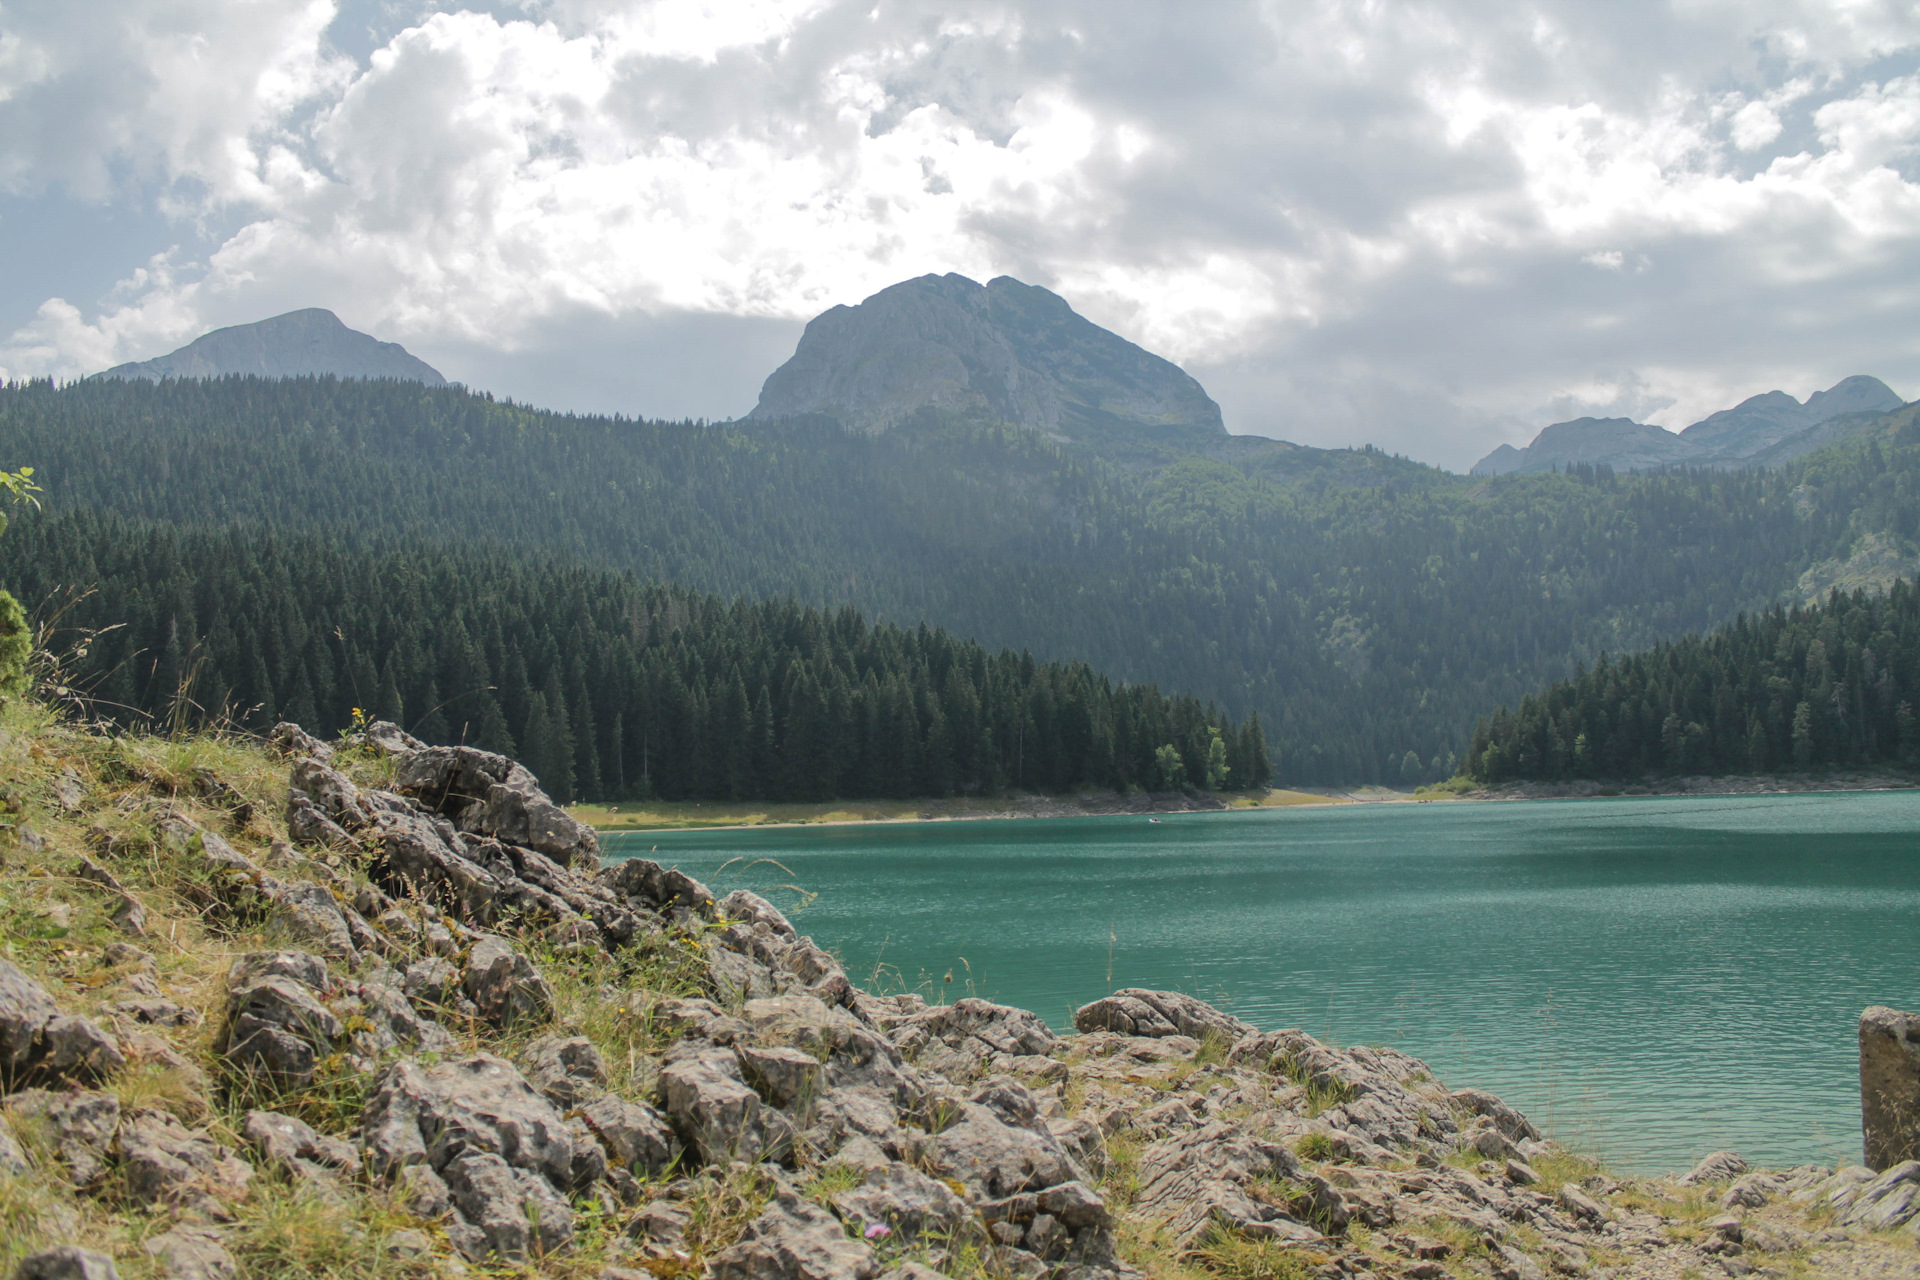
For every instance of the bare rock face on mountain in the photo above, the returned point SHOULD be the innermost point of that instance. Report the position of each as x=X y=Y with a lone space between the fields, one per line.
x=1012 y=351
x=1760 y=431
x=297 y=344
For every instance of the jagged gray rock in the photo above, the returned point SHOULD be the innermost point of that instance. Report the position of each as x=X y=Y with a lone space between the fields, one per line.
x=715 y=1112
x=66 y=1262
x=504 y=985
x=795 y=1239
x=480 y=1138
x=293 y=1146
x=162 y=1162
x=78 y=1126
x=636 y=1138
x=40 y=1043
x=1135 y=1011
x=568 y=1071
x=1889 y=1086
x=191 y=1253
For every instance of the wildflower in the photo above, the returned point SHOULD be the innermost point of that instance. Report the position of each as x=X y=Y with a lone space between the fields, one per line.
x=879 y=1231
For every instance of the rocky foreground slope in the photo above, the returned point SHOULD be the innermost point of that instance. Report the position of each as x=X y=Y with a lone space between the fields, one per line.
x=373 y=1009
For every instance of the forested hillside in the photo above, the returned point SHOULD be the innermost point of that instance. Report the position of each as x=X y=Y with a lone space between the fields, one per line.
x=1369 y=609
x=1831 y=686
x=607 y=688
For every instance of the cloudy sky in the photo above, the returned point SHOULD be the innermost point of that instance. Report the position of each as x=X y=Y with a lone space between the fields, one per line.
x=1427 y=226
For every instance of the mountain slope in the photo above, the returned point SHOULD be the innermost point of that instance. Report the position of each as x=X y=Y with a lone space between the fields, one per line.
x=1005 y=351
x=299 y=343
x=1369 y=610
x=1760 y=431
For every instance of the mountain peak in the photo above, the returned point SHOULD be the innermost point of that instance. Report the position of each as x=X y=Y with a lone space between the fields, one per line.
x=1011 y=350
x=302 y=343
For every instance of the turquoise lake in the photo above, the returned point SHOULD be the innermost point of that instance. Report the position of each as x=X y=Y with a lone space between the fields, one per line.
x=1649 y=979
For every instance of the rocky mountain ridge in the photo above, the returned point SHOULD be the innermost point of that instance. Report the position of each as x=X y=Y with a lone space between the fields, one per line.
x=1009 y=351
x=1761 y=431
x=376 y=1010
x=311 y=342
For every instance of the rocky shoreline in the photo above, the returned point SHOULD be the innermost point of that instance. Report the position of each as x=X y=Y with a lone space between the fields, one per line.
x=1768 y=784
x=392 y=987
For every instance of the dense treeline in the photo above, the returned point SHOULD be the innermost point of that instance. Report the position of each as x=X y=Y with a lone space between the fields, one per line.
x=605 y=687
x=1824 y=687
x=1369 y=609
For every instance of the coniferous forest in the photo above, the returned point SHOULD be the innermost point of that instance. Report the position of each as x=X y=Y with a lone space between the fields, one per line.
x=605 y=687
x=1831 y=686
x=1369 y=609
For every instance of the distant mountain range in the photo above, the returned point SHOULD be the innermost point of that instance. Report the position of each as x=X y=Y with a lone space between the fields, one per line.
x=303 y=343
x=1761 y=431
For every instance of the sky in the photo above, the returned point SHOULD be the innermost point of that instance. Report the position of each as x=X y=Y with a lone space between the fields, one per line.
x=1430 y=227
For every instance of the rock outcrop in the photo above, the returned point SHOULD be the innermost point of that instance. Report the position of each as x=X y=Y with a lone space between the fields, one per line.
x=1889 y=1086
x=445 y=1002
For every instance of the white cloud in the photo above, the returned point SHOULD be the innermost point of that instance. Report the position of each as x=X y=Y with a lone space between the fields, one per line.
x=1494 y=209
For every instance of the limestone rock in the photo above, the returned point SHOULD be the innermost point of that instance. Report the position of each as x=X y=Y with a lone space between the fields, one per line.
x=1135 y=1011
x=191 y=1253
x=967 y=1037
x=1891 y=1200
x=716 y=1114
x=474 y=1135
x=567 y=1070
x=164 y=1163
x=66 y=1262
x=39 y=1043
x=1889 y=1086
x=79 y=1127
x=489 y=795
x=1203 y=1176
x=993 y=1158
x=504 y=1210
x=1514 y=1126
x=276 y=1025
x=795 y=1239
x=291 y=740
x=1721 y=1166
x=908 y=1203
x=504 y=985
x=636 y=1138
x=293 y=1145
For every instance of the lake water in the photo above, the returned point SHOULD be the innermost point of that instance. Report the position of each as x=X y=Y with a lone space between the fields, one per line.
x=1649 y=979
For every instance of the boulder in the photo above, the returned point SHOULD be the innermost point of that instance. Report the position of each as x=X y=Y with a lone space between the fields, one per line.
x=568 y=1070
x=162 y=1162
x=489 y=795
x=908 y=1203
x=66 y=1262
x=1135 y=1011
x=635 y=1137
x=191 y=1253
x=276 y=1025
x=473 y=1135
x=784 y=1077
x=715 y=1112
x=291 y=740
x=993 y=1158
x=968 y=1037
x=1200 y=1177
x=795 y=1239
x=1891 y=1200
x=1514 y=1126
x=1721 y=1166
x=504 y=985
x=657 y=888
x=293 y=1146
x=1889 y=1086
x=504 y=1210
x=1370 y=1084
x=78 y=1128
x=388 y=737
x=38 y=1043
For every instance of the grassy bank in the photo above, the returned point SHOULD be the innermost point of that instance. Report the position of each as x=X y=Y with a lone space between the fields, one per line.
x=680 y=815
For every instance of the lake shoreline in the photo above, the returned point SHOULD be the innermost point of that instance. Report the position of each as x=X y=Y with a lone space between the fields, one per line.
x=685 y=816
